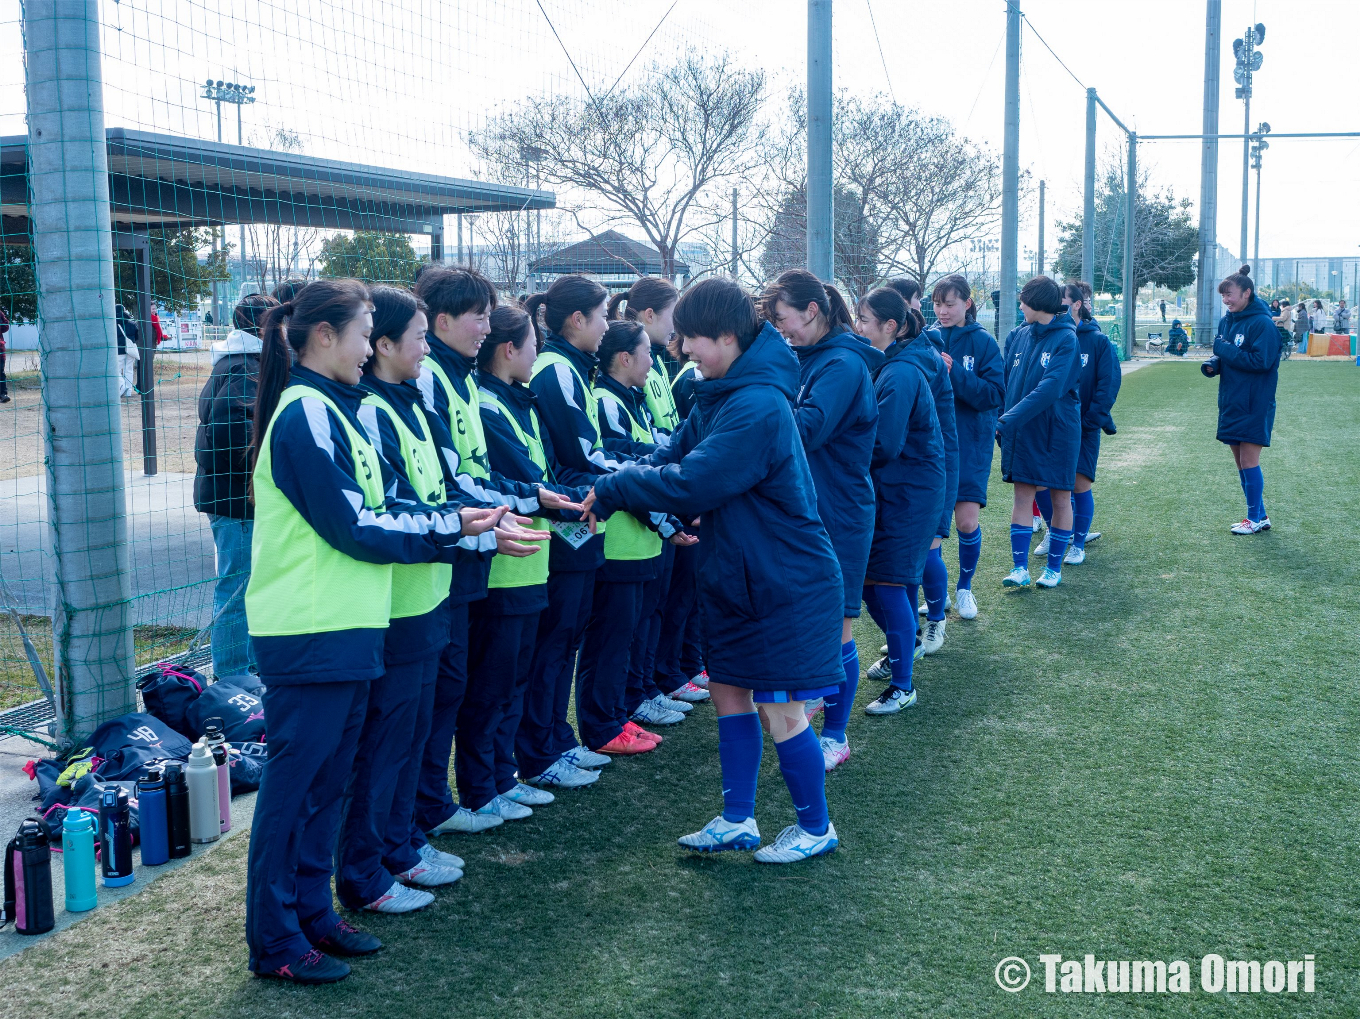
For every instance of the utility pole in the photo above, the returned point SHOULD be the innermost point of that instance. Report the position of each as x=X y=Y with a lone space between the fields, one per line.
x=734 y=234
x=82 y=426
x=1208 y=175
x=1130 y=286
x=1042 y=186
x=1088 y=215
x=819 y=213
x=1010 y=175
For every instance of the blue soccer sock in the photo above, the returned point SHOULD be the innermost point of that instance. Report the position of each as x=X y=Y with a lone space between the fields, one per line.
x=839 y=704
x=1057 y=547
x=899 y=608
x=936 y=583
x=1083 y=511
x=1021 y=536
x=875 y=606
x=1045 y=503
x=970 y=548
x=1254 y=487
x=740 y=742
x=804 y=770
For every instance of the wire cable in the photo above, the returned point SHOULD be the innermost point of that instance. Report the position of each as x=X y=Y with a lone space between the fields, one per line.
x=639 y=49
x=874 y=24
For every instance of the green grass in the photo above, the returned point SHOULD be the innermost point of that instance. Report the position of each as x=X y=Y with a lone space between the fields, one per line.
x=1155 y=761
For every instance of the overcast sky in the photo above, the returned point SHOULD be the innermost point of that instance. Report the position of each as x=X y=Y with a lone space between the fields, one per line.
x=400 y=82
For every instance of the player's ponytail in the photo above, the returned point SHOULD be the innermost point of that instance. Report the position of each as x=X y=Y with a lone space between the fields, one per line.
x=1240 y=279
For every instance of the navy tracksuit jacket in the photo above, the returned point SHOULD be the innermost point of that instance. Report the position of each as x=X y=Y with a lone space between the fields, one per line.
x=770 y=589
x=1100 y=380
x=925 y=351
x=837 y=414
x=908 y=469
x=979 y=394
x=1040 y=432
x=1248 y=350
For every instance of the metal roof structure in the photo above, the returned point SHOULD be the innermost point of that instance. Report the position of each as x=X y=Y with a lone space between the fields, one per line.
x=606 y=254
x=159 y=180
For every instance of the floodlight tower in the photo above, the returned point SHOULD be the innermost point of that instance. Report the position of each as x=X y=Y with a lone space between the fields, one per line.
x=239 y=95
x=1248 y=63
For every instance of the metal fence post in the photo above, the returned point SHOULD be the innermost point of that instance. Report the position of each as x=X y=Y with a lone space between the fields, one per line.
x=820 y=259
x=73 y=245
x=1088 y=214
x=1010 y=177
x=1130 y=216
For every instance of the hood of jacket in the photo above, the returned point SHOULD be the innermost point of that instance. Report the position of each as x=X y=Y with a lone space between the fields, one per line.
x=768 y=361
x=1088 y=326
x=1059 y=323
x=842 y=339
x=238 y=341
x=458 y=366
x=1256 y=307
x=950 y=333
x=512 y=394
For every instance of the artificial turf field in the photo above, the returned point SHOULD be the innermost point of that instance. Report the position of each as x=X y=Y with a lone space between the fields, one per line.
x=1157 y=760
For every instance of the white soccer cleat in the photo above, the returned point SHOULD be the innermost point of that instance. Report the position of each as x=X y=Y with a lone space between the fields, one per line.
x=924 y=609
x=528 y=796
x=1245 y=527
x=672 y=704
x=1037 y=524
x=438 y=858
x=834 y=752
x=880 y=671
x=701 y=680
x=967 y=604
x=400 y=899
x=654 y=714
x=810 y=708
x=934 y=637
x=1075 y=556
x=564 y=775
x=465 y=821
x=506 y=810
x=1041 y=549
x=1049 y=578
x=794 y=844
x=891 y=701
x=690 y=693
x=1018 y=577
x=1092 y=536
x=584 y=757
x=721 y=834
x=424 y=875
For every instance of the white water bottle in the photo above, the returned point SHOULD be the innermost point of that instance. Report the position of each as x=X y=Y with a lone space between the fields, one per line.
x=205 y=815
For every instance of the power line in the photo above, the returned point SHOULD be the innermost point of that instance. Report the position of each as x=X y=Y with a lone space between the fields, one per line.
x=640 y=48
x=869 y=4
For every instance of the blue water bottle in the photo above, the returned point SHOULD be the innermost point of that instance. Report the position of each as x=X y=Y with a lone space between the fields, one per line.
x=155 y=822
x=77 y=860
x=115 y=837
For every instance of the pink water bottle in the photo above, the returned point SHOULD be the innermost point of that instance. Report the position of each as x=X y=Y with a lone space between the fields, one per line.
x=217 y=743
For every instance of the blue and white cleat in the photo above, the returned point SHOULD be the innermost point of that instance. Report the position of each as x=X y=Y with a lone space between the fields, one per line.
x=891 y=701
x=1018 y=577
x=721 y=834
x=795 y=844
x=580 y=757
x=1050 y=578
x=1075 y=556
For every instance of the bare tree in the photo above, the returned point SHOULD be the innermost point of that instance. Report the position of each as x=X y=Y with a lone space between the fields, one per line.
x=280 y=252
x=647 y=153
x=909 y=192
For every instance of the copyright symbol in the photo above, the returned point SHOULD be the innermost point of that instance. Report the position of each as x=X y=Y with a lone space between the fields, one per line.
x=1012 y=974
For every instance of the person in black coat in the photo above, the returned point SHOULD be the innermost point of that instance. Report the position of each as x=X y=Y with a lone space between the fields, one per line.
x=1246 y=362
x=1098 y=389
x=1040 y=430
x=226 y=408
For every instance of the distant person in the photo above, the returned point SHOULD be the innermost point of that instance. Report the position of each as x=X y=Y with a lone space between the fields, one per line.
x=207 y=318
x=1275 y=308
x=226 y=410
x=4 y=383
x=1341 y=320
x=1318 y=318
x=128 y=354
x=1178 y=340
x=1283 y=316
x=1301 y=326
x=1163 y=307
x=157 y=333
x=1246 y=362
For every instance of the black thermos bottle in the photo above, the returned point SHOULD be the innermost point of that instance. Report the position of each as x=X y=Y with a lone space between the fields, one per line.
x=28 y=880
x=177 y=809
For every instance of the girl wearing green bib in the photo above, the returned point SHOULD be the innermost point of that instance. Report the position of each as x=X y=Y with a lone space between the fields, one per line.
x=318 y=604
x=380 y=869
